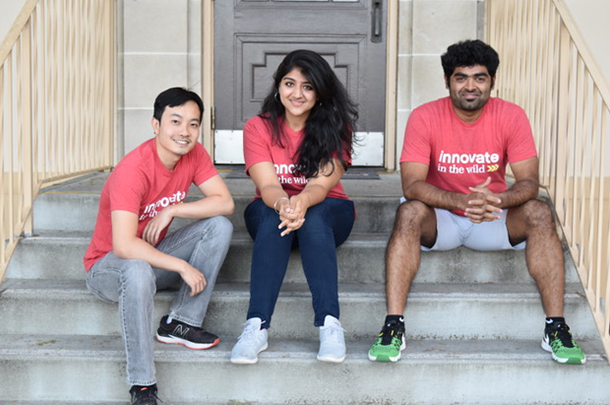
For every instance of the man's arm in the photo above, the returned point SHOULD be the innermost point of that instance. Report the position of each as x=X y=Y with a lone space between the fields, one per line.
x=415 y=187
x=486 y=206
x=217 y=201
x=526 y=184
x=126 y=245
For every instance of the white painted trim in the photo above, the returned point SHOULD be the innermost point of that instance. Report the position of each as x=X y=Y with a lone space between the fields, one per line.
x=391 y=89
x=207 y=77
x=229 y=148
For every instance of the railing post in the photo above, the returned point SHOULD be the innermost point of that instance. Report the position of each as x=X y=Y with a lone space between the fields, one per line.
x=562 y=124
x=3 y=226
x=26 y=126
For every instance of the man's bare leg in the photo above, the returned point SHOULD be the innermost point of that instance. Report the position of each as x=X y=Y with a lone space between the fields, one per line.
x=533 y=222
x=415 y=225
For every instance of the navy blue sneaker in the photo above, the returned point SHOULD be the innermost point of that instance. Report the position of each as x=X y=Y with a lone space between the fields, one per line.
x=179 y=333
x=143 y=395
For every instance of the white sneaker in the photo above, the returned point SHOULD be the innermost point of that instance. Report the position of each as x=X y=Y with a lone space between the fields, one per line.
x=332 y=341
x=252 y=341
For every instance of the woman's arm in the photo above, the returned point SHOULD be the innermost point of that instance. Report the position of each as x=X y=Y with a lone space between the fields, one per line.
x=292 y=210
x=266 y=180
x=316 y=190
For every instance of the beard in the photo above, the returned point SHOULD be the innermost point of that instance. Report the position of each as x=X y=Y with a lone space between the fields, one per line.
x=469 y=105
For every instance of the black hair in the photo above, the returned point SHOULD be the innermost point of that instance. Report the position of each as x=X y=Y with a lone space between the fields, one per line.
x=173 y=97
x=469 y=53
x=331 y=123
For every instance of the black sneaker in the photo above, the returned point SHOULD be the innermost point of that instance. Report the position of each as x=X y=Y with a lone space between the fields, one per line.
x=559 y=342
x=180 y=333
x=143 y=395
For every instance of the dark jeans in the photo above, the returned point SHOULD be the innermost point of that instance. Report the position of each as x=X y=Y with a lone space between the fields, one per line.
x=327 y=225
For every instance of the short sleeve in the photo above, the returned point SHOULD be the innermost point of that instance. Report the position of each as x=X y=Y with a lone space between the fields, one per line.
x=257 y=140
x=520 y=140
x=126 y=189
x=204 y=167
x=416 y=146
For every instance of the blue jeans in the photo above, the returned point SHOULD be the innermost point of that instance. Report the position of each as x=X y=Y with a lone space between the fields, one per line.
x=133 y=283
x=327 y=225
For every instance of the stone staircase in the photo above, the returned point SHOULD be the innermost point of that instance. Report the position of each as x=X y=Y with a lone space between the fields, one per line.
x=474 y=323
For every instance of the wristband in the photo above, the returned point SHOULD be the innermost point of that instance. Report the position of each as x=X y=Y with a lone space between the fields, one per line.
x=277 y=201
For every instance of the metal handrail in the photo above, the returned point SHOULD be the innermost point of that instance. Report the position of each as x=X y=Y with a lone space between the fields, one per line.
x=547 y=69
x=57 y=103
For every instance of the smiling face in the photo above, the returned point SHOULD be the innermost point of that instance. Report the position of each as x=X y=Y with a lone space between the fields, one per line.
x=177 y=132
x=470 y=89
x=298 y=97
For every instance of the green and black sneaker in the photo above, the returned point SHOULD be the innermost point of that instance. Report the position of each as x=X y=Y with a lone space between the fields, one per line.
x=389 y=344
x=558 y=341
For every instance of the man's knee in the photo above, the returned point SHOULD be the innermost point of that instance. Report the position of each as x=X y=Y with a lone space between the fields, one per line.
x=219 y=229
x=138 y=278
x=222 y=226
x=536 y=213
x=411 y=215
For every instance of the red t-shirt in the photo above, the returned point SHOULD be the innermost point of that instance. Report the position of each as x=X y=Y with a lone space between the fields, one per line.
x=259 y=147
x=460 y=154
x=141 y=184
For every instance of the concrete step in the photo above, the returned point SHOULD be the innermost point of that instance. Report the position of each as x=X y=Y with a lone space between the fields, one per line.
x=474 y=322
x=126 y=402
x=45 y=402
x=55 y=211
x=58 y=255
x=72 y=206
x=434 y=310
x=66 y=368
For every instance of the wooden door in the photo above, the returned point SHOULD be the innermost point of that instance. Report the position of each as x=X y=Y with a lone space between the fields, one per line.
x=253 y=36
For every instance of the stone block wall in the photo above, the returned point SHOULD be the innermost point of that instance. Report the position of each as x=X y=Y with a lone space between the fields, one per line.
x=426 y=29
x=161 y=47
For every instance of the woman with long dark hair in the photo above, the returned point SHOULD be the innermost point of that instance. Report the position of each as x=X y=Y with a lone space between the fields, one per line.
x=296 y=151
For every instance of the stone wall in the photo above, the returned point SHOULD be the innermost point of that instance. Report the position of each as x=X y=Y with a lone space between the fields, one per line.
x=426 y=28
x=162 y=47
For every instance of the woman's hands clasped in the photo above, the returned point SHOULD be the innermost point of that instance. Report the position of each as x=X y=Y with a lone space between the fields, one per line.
x=292 y=213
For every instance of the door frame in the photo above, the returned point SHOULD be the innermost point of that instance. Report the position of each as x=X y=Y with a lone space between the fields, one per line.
x=391 y=90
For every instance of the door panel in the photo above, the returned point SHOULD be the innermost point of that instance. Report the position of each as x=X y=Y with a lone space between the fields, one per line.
x=253 y=36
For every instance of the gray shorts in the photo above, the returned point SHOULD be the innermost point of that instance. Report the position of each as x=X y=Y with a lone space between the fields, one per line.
x=455 y=230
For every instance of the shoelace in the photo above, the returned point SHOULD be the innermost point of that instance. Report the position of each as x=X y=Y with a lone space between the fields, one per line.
x=335 y=333
x=248 y=331
x=388 y=332
x=146 y=394
x=562 y=332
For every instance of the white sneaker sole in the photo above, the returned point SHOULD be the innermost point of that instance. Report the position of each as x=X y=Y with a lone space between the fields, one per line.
x=331 y=359
x=242 y=360
x=172 y=340
x=403 y=346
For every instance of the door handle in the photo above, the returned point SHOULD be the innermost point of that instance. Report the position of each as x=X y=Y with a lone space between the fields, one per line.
x=376 y=21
